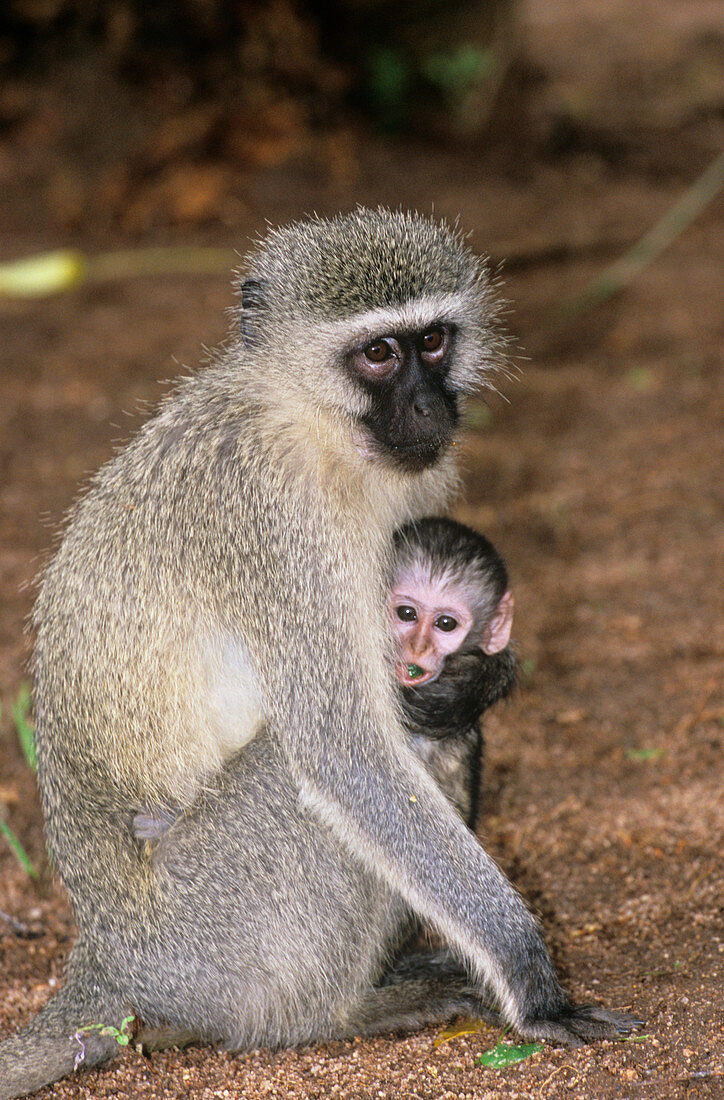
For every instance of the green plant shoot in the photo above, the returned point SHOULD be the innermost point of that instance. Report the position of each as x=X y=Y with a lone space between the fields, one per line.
x=17 y=849
x=24 y=726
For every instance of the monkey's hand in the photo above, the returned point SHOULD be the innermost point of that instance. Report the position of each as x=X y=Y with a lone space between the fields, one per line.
x=152 y=824
x=575 y=1025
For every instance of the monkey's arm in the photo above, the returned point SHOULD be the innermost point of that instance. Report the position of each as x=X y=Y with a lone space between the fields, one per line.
x=357 y=772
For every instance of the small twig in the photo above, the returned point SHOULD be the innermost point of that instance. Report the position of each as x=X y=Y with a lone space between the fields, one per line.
x=561 y=1069
x=163 y=260
x=624 y=270
x=23 y=930
x=685 y=723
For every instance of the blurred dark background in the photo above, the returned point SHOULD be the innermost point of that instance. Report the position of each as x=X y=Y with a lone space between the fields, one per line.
x=141 y=117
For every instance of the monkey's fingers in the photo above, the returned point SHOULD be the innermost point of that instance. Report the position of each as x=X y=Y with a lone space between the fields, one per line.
x=580 y=1024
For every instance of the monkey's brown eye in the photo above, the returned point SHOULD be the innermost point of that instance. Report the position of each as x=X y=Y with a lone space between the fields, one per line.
x=446 y=623
x=378 y=352
x=406 y=614
x=432 y=340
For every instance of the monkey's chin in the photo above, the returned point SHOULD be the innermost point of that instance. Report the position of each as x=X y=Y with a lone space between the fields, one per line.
x=407 y=679
x=416 y=457
x=410 y=458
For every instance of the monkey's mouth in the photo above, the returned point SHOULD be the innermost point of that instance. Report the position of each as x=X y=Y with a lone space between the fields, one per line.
x=410 y=675
x=416 y=456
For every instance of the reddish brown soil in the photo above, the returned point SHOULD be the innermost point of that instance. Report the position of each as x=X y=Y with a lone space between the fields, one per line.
x=601 y=481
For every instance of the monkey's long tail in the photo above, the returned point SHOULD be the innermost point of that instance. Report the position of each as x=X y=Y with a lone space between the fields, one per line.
x=65 y=1035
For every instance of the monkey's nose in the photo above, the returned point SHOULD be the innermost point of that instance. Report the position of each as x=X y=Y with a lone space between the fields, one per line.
x=421 y=406
x=418 y=643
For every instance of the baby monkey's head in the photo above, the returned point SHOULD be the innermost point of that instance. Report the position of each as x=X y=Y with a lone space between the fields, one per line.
x=449 y=594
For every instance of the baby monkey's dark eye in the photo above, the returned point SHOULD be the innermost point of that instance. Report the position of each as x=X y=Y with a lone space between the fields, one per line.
x=378 y=352
x=406 y=614
x=446 y=623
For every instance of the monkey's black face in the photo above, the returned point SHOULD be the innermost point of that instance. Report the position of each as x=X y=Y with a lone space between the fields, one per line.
x=414 y=411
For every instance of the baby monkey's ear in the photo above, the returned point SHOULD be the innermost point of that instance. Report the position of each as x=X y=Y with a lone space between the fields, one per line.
x=497 y=633
x=253 y=304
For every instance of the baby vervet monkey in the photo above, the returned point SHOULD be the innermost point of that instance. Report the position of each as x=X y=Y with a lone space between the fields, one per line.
x=211 y=635
x=451 y=612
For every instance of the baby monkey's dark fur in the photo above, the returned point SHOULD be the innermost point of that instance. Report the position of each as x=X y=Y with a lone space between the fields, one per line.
x=443 y=716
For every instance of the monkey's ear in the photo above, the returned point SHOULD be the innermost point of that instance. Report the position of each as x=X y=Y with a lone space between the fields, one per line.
x=253 y=302
x=497 y=633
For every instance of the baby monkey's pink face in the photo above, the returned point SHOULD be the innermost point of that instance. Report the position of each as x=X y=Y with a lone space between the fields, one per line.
x=431 y=621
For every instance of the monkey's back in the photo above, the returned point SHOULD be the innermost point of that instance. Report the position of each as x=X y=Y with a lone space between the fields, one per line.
x=112 y=661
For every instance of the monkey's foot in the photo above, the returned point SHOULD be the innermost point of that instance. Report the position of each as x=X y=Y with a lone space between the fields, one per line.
x=579 y=1024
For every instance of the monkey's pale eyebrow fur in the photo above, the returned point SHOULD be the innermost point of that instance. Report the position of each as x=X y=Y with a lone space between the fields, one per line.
x=411 y=317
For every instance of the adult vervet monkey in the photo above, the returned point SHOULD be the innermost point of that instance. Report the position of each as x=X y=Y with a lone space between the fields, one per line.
x=200 y=647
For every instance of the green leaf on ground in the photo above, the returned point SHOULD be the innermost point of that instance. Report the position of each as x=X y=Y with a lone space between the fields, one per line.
x=506 y=1054
x=644 y=754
